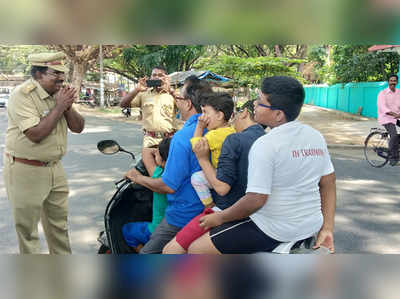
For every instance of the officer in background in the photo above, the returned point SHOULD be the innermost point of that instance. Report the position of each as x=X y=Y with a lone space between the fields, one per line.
x=157 y=105
x=39 y=114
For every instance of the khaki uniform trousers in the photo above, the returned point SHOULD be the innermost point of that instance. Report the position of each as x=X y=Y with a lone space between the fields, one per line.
x=38 y=193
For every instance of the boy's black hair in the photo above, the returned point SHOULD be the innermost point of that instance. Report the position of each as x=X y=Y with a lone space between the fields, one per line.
x=284 y=93
x=220 y=101
x=163 y=148
x=195 y=87
x=250 y=108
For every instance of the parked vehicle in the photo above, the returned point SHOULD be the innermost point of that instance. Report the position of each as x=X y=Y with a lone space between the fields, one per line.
x=4 y=100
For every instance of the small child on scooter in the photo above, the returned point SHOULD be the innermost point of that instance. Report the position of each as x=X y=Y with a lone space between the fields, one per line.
x=217 y=111
x=136 y=234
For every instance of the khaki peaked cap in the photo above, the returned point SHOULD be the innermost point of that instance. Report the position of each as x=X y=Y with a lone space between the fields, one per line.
x=55 y=61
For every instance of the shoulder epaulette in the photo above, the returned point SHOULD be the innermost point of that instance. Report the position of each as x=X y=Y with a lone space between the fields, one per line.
x=28 y=88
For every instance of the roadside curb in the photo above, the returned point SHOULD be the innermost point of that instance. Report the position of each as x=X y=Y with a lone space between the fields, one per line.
x=345 y=146
x=343 y=114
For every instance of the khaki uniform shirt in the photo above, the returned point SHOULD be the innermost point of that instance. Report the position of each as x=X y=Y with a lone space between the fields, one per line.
x=158 y=110
x=28 y=104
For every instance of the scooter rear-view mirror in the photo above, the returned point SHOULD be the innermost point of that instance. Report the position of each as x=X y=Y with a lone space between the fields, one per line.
x=108 y=147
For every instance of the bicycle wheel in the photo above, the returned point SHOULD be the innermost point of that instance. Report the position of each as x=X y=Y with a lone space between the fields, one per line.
x=376 y=149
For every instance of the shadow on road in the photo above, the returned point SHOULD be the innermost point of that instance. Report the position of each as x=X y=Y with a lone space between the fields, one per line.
x=368 y=209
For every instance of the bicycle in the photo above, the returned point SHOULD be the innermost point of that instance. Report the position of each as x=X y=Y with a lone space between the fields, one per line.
x=376 y=147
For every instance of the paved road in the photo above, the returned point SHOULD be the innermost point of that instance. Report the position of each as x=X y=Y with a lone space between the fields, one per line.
x=338 y=127
x=368 y=209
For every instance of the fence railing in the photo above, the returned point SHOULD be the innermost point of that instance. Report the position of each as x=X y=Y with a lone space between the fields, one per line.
x=357 y=98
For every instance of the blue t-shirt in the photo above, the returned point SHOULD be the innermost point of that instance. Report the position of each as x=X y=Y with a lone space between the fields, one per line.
x=184 y=204
x=233 y=164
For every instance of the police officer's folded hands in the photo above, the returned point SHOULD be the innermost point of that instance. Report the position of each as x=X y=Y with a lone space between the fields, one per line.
x=65 y=98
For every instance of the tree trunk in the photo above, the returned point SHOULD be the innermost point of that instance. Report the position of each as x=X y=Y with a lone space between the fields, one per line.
x=278 y=52
x=301 y=51
x=70 y=73
x=260 y=50
x=300 y=68
x=107 y=99
x=241 y=48
x=78 y=75
x=329 y=53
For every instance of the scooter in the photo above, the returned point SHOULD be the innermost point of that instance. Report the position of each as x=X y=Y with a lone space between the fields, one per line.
x=131 y=202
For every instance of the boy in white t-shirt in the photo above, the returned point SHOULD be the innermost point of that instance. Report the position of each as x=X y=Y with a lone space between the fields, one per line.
x=291 y=190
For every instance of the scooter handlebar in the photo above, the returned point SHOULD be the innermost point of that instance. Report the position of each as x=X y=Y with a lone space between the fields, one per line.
x=120 y=181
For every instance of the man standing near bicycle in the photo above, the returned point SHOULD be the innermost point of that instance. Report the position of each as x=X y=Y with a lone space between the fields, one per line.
x=389 y=114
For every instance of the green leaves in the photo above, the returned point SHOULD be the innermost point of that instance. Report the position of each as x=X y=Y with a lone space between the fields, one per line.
x=13 y=59
x=355 y=64
x=139 y=60
x=250 y=71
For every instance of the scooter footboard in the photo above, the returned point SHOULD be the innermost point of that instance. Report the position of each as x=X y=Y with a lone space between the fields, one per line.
x=295 y=246
x=134 y=205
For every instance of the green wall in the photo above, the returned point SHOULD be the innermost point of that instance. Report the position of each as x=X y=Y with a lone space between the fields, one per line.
x=346 y=97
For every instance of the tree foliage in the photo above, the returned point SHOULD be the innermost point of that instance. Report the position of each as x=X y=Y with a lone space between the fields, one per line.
x=260 y=50
x=138 y=60
x=318 y=54
x=247 y=64
x=14 y=59
x=85 y=57
x=317 y=69
x=243 y=50
x=250 y=71
x=355 y=64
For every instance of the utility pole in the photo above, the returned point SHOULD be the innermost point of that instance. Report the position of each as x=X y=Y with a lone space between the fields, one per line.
x=101 y=78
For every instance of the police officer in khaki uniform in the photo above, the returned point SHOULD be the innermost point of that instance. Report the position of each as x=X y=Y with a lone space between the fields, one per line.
x=39 y=113
x=157 y=105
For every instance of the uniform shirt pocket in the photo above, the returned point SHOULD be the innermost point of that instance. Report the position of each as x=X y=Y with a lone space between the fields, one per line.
x=167 y=110
x=148 y=107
